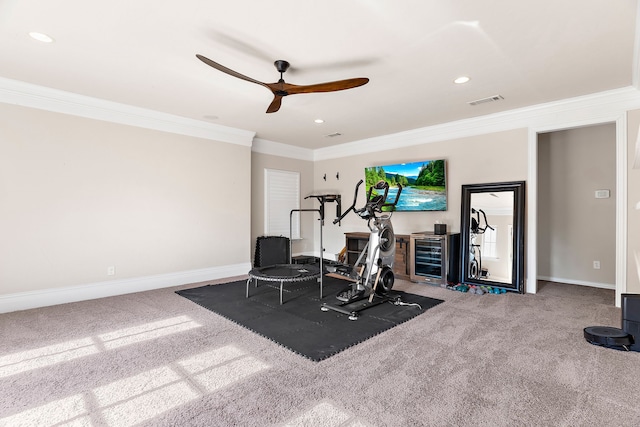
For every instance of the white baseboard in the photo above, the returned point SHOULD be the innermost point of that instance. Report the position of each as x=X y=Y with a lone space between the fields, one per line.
x=48 y=297
x=578 y=282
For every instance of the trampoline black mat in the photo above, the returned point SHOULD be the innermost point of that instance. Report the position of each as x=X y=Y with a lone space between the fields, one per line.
x=299 y=325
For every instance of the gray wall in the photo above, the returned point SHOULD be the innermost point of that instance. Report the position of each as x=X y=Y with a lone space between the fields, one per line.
x=78 y=195
x=575 y=228
x=494 y=157
x=308 y=220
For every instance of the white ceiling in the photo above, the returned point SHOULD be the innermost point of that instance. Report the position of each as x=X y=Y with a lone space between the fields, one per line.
x=142 y=53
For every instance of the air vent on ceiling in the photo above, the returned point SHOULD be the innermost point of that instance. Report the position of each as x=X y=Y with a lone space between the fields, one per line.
x=485 y=100
x=331 y=135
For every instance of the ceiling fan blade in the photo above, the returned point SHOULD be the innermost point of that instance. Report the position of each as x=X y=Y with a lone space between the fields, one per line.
x=275 y=104
x=228 y=70
x=281 y=89
x=326 y=87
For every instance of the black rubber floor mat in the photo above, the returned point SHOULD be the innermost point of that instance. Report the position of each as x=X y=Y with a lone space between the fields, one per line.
x=299 y=324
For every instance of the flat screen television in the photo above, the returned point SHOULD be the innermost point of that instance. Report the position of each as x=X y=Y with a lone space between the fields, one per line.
x=424 y=184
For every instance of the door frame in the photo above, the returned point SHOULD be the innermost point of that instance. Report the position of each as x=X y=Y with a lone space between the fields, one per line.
x=620 y=121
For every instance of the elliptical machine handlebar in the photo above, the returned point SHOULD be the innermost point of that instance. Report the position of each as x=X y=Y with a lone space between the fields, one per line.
x=378 y=202
x=395 y=202
x=475 y=226
x=374 y=204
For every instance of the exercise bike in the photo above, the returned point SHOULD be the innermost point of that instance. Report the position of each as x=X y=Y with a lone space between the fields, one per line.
x=373 y=278
x=475 y=254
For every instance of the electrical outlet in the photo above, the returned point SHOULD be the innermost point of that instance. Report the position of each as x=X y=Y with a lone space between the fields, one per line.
x=596 y=265
x=111 y=270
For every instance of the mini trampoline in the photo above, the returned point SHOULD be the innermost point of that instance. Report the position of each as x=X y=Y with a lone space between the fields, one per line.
x=284 y=273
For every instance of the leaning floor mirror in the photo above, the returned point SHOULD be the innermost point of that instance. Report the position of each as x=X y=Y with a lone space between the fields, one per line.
x=492 y=235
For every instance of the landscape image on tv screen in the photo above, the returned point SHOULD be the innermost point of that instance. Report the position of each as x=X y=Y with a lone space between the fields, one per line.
x=424 y=186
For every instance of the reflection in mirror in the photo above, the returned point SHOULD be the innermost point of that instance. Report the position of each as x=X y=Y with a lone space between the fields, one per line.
x=493 y=235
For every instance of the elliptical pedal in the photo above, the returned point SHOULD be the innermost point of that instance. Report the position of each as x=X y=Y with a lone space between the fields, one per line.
x=349 y=294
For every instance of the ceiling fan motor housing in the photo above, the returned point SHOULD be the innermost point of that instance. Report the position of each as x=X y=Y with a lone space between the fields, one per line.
x=281 y=65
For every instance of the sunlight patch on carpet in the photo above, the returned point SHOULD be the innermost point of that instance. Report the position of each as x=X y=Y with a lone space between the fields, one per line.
x=46 y=356
x=203 y=361
x=126 y=388
x=142 y=397
x=228 y=374
x=148 y=404
x=65 y=410
x=324 y=414
x=222 y=367
x=42 y=357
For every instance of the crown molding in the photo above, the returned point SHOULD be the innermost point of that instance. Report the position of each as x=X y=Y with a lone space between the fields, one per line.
x=273 y=148
x=29 y=95
x=566 y=113
x=572 y=112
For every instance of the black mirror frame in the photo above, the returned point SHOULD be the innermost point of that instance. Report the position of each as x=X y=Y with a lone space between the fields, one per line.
x=517 y=272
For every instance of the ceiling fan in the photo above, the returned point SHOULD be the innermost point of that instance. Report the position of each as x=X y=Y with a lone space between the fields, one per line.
x=281 y=88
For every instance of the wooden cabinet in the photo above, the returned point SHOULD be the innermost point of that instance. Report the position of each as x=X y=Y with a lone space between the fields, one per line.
x=356 y=242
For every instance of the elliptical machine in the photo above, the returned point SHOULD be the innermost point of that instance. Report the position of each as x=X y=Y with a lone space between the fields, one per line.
x=372 y=280
x=475 y=255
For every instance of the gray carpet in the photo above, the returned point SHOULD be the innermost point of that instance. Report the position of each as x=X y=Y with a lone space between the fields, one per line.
x=157 y=359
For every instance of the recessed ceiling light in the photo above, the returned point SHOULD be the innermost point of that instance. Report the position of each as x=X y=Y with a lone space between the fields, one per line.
x=41 y=37
x=319 y=121
x=462 y=79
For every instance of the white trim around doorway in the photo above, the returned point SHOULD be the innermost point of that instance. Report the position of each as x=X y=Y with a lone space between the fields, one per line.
x=620 y=120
